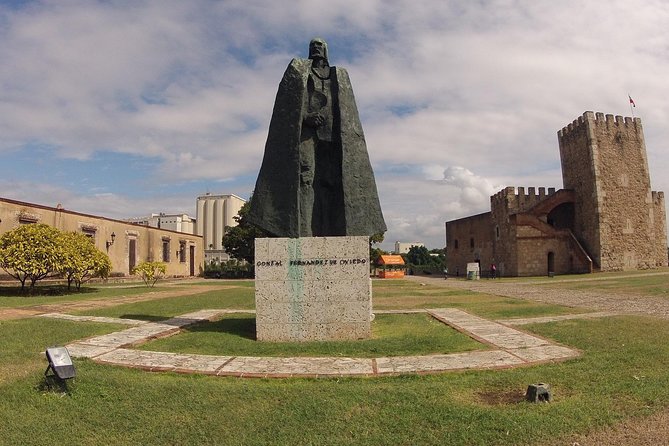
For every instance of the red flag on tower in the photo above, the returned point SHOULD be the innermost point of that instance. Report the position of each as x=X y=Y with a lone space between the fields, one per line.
x=631 y=101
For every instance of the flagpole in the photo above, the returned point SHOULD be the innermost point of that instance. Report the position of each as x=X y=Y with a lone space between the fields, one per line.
x=632 y=105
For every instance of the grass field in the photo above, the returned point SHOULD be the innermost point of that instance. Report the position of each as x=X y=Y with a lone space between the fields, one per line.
x=623 y=372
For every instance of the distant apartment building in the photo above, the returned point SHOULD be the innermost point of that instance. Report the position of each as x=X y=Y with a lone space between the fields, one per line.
x=404 y=247
x=214 y=213
x=172 y=222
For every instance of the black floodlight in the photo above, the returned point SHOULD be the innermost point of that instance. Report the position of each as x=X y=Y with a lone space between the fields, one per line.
x=60 y=362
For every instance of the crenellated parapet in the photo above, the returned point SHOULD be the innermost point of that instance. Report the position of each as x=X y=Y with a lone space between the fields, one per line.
x=601 y=121
x=658 y=198
x=519 y=199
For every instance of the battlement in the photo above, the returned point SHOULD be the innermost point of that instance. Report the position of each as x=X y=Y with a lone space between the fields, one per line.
x=599 y=119
x=517 y=200
x=658 y=197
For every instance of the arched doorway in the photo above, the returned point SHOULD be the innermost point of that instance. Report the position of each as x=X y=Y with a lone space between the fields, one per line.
x=551 y=263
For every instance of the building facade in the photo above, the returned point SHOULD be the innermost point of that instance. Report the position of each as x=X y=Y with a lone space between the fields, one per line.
x=214 y=213
x=404 y=247
x=606 y=218
x=126 y=244
x=172 y=222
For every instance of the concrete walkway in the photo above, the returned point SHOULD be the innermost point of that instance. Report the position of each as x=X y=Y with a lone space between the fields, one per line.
x=509 y=348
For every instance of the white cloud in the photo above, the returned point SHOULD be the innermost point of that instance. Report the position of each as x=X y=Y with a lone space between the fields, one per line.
x=475 y=91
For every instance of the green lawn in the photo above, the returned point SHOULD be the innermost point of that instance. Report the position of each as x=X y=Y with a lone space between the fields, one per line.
x=405 y=294
x=10 y=298
x=393 y=335
x=623 y=372
x=635 y=284
x=237 y=295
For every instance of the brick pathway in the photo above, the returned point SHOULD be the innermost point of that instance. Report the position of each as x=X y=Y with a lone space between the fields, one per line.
x=510 y=347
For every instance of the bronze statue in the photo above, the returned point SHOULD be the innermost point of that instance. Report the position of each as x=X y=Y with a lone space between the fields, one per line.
x=316 y=179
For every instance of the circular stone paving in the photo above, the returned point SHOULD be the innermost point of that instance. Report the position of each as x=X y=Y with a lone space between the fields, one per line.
x=510 y=348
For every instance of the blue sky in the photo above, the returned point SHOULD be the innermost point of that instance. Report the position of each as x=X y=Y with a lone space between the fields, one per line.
x=122 y=108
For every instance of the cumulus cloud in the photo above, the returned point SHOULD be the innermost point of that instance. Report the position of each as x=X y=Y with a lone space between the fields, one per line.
x=456 y=98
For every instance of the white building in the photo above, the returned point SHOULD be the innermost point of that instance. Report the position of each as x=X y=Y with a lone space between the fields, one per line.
x=172 y=222
x=404 y=247
x=214 y=213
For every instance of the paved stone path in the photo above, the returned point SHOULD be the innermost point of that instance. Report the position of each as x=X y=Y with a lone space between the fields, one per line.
x=510 y=347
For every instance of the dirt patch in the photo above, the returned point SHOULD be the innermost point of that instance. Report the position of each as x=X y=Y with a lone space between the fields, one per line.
x=493 y=398
x=653 y=430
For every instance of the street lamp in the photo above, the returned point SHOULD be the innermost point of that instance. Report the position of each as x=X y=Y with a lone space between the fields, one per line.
x=111 y=242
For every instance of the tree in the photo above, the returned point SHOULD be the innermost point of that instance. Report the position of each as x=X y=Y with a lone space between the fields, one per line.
x=375 y=253
x=83 y=260
x=150 y=272
x=420 y=256
x=31 y=253
x=239 y=241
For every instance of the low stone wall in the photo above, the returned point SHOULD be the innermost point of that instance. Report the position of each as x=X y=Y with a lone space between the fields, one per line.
x=312 y=289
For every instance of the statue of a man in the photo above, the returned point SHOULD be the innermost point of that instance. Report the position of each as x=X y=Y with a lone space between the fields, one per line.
x=316 y=178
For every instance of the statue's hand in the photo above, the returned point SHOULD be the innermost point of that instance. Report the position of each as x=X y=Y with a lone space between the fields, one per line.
x=314 y=120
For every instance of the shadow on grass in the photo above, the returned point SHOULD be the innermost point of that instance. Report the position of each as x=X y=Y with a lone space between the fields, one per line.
x=49 y=290
x=244 y=327
x=144 y=317
x=51 y=384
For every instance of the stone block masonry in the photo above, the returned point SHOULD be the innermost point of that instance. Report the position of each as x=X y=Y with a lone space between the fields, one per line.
x=620 y=221
x=312 y=289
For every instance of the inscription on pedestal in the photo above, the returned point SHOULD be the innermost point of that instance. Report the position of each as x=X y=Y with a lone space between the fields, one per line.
x=312 y=289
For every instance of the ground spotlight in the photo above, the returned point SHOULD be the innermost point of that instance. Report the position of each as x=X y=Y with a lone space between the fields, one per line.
x=60 y=363
x=539 y=393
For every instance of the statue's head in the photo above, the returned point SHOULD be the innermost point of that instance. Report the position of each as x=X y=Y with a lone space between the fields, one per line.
x=318 y=49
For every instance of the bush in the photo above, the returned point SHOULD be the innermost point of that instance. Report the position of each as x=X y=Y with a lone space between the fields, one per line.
x=150 y=272
x=83 y=260
x=231 y=269
x=31 y=253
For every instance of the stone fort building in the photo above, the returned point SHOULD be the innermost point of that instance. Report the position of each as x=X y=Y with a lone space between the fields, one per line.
x=606 y=218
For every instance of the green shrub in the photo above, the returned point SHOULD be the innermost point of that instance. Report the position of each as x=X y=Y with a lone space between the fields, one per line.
x=150 y=272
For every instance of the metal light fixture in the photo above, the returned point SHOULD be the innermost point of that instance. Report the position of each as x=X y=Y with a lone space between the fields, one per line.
x=111 y=242
x=60 y=363
x=539 y=393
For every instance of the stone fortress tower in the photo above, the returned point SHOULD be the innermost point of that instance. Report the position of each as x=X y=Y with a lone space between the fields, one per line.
x=606 y=218
x=618 y=219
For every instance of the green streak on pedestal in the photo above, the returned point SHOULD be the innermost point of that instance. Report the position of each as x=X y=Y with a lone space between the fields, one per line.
x=296 y=284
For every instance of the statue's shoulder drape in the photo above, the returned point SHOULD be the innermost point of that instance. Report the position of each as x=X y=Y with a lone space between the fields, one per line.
x=275 y=201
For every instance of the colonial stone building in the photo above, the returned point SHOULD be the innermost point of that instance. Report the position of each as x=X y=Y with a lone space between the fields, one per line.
x=606 y=217
x=126 y=244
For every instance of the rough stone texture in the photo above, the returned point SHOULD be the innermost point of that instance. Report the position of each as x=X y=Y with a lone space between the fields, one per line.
x=454 y=361
x=617 y=217
x=518 y=348
x=109 y=320
x=606 y=217
x=312 y=288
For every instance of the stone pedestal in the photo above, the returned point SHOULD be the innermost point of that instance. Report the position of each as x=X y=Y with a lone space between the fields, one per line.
x=312 y=289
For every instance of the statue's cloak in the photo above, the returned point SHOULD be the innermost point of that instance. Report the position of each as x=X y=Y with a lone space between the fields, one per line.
x=275 y=205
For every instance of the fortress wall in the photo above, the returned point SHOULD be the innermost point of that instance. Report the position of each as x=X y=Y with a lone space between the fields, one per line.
x=520 y=199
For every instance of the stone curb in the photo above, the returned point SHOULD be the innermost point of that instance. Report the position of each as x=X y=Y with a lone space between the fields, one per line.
x=511 y=348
